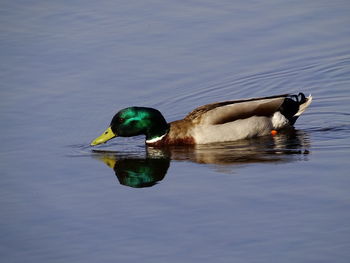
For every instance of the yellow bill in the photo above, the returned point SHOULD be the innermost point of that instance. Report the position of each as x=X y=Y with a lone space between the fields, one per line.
x=106 y=136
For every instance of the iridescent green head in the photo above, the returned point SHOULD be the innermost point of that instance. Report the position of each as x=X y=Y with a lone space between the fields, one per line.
x=135 y=121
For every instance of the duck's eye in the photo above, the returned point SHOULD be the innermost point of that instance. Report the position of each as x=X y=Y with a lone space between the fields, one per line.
x=120 y=120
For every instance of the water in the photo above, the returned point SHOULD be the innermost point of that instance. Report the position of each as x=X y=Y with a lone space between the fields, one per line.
x=68 y=66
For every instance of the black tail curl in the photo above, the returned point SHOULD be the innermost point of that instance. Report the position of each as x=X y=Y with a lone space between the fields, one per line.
x=300 y=98
x=291 y=105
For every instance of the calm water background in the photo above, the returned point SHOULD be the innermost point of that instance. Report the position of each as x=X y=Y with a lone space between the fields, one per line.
x=68 y=66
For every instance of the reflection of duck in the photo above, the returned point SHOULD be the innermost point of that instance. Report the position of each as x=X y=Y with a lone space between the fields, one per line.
x=280 y=148
x=144 y=171
x=217 y=122
x=136 y=171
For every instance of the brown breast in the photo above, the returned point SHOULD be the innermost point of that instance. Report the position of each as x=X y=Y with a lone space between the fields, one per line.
x=180 y=133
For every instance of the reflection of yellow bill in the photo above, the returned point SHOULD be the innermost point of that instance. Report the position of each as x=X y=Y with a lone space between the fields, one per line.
x=106 y=136
x=109 y=160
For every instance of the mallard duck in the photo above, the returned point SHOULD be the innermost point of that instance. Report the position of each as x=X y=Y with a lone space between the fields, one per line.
x=211 y=123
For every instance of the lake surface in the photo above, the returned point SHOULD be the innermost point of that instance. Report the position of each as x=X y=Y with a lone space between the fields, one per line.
x=68 y=66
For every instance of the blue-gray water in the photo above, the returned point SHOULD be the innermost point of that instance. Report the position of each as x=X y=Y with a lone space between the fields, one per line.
x=66 y=68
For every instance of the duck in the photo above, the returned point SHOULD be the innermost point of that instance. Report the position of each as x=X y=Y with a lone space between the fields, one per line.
x=211 y=123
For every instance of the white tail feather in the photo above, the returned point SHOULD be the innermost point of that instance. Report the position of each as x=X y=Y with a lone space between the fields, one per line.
x=303 y=106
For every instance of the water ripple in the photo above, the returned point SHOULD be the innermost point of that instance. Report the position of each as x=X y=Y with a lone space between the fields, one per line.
x=314 y=77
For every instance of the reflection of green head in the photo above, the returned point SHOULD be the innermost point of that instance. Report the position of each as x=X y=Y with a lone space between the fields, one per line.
x=134 y=121
x=141 y=172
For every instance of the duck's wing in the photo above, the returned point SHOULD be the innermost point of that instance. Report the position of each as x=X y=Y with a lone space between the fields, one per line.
x=228 y=111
